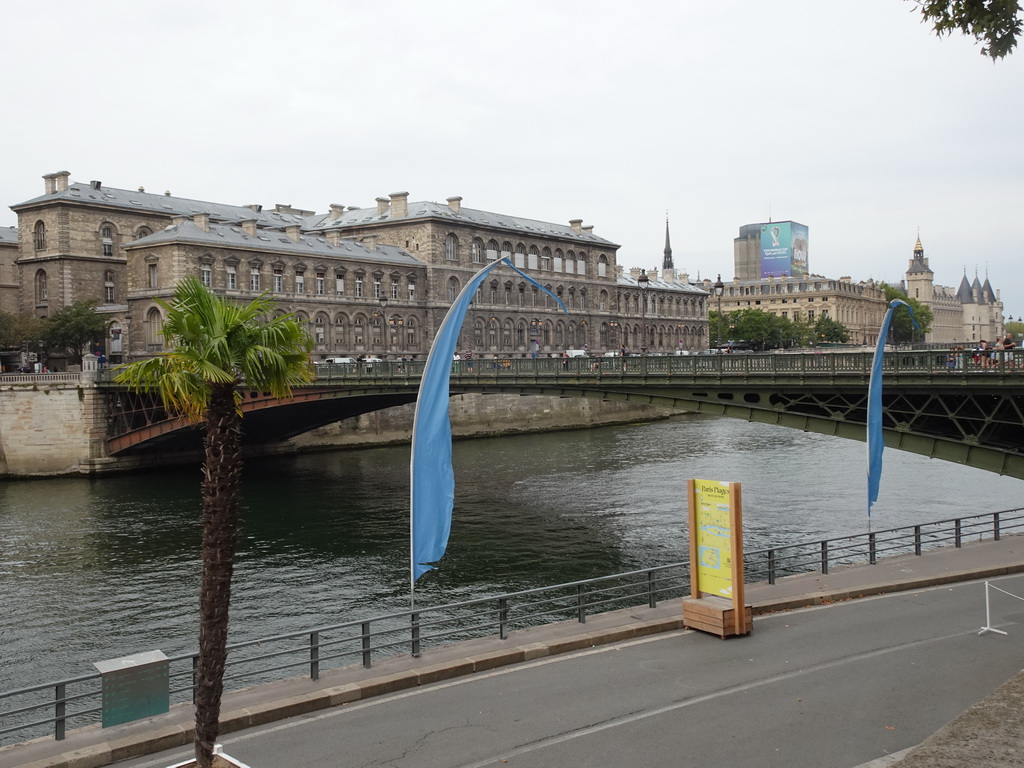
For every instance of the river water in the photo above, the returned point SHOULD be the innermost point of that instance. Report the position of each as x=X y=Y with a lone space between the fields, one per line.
x=92 y=569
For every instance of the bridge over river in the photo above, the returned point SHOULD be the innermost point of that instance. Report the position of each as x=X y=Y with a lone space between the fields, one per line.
x=971 y=413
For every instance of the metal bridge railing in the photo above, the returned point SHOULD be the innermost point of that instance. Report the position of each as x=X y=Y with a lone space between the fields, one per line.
x=924 y=362
x=52 y=708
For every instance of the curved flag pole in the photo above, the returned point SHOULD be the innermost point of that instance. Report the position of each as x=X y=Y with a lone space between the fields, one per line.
x=874 y=435
x=431 y=478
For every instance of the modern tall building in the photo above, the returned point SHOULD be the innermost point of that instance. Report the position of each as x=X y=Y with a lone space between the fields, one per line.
x=368 y=280
x=771 y=274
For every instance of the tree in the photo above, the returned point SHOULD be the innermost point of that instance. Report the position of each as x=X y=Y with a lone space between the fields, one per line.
x=217 y=347
x=902 y=330
x=996 y=23
x=829 y=330
x=74 y=328
x=17 y=329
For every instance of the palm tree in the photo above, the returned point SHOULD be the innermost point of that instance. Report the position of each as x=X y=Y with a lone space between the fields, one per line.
x=216 y=347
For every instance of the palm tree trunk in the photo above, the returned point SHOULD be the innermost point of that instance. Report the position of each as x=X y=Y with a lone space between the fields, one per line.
x=222 y=468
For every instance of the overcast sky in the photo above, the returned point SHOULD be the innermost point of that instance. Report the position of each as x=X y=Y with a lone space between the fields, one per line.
x=849 y=117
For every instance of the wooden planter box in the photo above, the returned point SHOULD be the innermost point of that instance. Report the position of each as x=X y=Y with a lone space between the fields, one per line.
x=716 y=616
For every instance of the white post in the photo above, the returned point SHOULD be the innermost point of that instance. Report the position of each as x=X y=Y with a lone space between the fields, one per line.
x=988 y=621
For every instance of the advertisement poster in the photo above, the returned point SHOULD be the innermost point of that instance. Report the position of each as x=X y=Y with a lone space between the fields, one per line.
x=714 y=541
x=784 y=249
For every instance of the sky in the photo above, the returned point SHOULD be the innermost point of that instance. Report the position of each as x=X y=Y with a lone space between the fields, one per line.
x=850 y=117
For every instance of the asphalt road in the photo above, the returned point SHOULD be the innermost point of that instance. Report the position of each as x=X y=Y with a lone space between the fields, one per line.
x=839 y=685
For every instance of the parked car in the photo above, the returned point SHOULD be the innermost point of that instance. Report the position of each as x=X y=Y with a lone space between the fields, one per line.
x=369 y=362
x=337 y=361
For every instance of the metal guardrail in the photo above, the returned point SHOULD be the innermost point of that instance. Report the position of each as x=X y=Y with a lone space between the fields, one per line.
x=52 y=707
x=928 y=362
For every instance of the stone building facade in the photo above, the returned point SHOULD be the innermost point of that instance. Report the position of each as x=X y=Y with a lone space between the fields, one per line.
x=368 y=281
x=859 y=306
x=968 y=314
x=8 y=271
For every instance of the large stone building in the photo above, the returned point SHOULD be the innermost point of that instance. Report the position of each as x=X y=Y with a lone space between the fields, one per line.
x=967 y=314
x=368 y=281
x=8 y=270
x=793 y=292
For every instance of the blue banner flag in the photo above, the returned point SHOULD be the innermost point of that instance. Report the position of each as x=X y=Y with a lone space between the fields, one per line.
x=432 y=480
x=875 y=441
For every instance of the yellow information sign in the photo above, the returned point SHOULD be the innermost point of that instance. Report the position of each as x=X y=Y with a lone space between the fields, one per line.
x=713 y=532
x=716 y=603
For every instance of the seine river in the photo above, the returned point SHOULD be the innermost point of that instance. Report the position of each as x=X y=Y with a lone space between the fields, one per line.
x=92 y=569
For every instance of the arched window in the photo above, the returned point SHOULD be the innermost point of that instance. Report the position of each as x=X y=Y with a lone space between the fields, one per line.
x=42 y=289
x=451 y=247
x=533 y=258
x=107 y=237
x=520 y=260
x=320 y=329
x=108 y=287
x=40 y=235
x=154 y=326
x=143 y=232
x=453 y=288
x=477 y=251
x=340 y=331
x=545 y=259
x=602 y=266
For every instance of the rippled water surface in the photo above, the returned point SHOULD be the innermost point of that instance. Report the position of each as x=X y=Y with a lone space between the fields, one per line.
x=95 y=569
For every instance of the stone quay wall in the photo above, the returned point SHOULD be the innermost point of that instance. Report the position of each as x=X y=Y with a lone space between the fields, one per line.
x=55 y=424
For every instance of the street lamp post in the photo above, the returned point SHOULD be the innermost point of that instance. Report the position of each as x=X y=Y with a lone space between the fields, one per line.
x=719 y=290
x=644 y=282
x=126 y=342
x=383 y=301
x=616 y=334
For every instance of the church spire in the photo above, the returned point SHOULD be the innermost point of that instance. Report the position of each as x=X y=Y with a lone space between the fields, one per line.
x=667 y=263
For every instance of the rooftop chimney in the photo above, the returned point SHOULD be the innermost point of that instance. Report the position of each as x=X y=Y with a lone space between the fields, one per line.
x=370 y=241
x=56 y=182
x=333 y=237
x=337 y=211
x=293 y=232
x=249 y=227
x=589 y=229
x=455 y=203
x=399 y=205
x=95 y=184
x=575 y=224
x=382 y=205
x=202 y=221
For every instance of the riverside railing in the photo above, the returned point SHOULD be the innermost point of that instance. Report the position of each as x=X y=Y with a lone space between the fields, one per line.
x=929 y=362
x=926 y=362
x=74 y=702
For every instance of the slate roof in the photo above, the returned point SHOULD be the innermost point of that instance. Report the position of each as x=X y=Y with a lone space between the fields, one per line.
x=978 y=291
x=229 y=236
x=964 y=294
x=167 y=205
x=917 y=266
x=429 y=210
x=9 y=235
x=661 y=284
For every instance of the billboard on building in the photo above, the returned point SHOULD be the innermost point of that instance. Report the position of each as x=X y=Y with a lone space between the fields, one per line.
x=783 y=249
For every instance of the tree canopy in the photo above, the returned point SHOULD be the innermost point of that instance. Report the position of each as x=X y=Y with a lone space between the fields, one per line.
x=763 y=330
x=216 y=347
x=74 y=328
x=995 y=23
x=903 y=330
x=17 y=329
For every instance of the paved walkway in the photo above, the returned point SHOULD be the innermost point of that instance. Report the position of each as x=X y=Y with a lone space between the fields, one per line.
x=994 y=727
